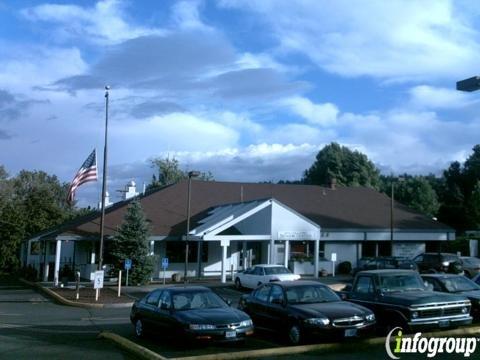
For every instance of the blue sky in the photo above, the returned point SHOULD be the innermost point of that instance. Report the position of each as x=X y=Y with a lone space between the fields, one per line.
x=249 y=90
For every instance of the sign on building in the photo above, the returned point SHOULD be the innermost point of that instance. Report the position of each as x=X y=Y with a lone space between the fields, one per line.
x=296 y=235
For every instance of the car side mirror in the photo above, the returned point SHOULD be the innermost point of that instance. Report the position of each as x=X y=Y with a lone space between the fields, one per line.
x=229 y=302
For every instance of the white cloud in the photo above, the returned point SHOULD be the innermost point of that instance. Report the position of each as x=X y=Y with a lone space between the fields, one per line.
x=425 y=96
x=174 y=132
x=186 y=16
x=103 y=23
x=393 y=40
x=24 y=67
x=316 y=114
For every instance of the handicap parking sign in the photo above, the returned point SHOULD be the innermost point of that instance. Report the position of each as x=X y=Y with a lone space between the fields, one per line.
x=165 y=263
x=128 y=264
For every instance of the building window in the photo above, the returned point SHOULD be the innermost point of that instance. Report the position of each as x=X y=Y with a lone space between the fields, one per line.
x=175 y=251
x=368 y=249
x=384 y=248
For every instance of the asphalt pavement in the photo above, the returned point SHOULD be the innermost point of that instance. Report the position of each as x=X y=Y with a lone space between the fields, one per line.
x=33 y=327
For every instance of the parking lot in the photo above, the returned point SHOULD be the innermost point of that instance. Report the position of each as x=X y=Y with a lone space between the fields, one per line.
x=32 y=324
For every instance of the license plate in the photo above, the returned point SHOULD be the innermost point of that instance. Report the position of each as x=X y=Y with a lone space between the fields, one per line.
x=230 y=334
x=350 y=332
x=444 y=323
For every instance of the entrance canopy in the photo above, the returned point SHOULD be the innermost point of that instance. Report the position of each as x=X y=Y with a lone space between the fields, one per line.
x=256 y=220
x=259 y=220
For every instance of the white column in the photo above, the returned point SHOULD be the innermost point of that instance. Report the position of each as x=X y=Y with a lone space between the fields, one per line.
x=271 y=251
x=246 y=263
x=224 y=244
x=315 y=257
x=57 y=261
x=287 y=252
x=46 y=269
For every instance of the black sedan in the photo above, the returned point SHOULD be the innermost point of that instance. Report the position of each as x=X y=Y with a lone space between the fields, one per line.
x=195 y=313
x=457 y=284
x=305 y=310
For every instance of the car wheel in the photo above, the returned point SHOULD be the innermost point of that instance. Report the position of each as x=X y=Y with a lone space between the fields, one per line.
x=259 y=283
x=295 y=335
x=139 y=328
x=394 y=321
x=238 y=283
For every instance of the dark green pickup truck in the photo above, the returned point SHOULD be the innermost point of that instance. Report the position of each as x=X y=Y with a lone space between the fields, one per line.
x=400 y=298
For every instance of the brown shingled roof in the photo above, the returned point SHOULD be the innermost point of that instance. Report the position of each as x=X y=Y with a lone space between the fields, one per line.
x=339 y=208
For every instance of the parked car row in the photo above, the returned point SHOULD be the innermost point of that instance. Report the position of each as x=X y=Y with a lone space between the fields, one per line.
x=430 y=263
x=306 y=310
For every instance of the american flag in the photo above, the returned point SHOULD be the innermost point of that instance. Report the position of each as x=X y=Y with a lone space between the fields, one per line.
x=86 y=173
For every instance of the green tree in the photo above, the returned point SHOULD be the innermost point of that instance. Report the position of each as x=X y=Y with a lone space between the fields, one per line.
x=131 y=242
x=347 y=167
x=169 y=172
x=30 y=202
x=414 y=191
x=473 y=207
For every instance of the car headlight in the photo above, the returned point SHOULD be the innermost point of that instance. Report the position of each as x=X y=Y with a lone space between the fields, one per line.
x=246 y=323
x=202 y=327
x=318 y=321
x=370 y=317
x=414 y=314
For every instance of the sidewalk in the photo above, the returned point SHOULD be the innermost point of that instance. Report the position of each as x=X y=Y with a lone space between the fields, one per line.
x=66 y=294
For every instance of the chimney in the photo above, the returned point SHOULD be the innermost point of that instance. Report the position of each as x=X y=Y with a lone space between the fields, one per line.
x=107 y=201
x=130 y=190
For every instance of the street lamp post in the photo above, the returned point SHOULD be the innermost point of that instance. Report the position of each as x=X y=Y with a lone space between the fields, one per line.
x=190 y=175
x=392 y=221
x=392 y=212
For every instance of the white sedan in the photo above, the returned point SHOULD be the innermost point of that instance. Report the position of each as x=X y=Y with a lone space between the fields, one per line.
x=261 y=274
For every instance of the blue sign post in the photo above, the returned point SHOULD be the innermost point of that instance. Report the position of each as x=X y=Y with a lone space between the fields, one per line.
x=128 y=266
x=164 y=266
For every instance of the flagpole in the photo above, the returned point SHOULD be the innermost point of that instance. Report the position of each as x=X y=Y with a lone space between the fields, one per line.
x=104 y=179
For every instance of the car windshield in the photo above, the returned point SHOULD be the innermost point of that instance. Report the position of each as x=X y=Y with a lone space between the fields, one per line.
x=404 y=282
x=450 y=258
x=459 y=284
x=471 y=261
x=277 y=270
x=309 y=294
x=196 y=300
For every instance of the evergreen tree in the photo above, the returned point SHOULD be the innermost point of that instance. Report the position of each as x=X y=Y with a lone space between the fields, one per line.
x=131 y=242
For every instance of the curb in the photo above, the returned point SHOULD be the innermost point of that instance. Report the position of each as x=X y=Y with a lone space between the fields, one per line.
x=60 y=299
x=145 y=353
x=135 y=349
